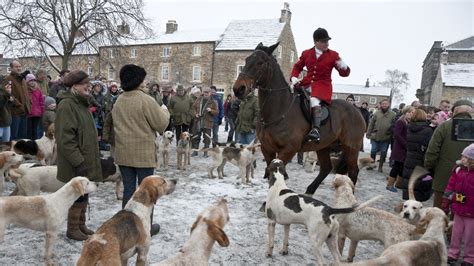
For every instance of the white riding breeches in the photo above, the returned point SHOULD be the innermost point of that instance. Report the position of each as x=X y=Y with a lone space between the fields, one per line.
x=315 y=102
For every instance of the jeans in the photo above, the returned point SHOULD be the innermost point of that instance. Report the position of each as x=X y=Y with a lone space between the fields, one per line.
x=5 y=134
x=377 y=146
x=130 y=176
x=18 y=127
x=230 y=136
x=245 y=138
x=226 y=127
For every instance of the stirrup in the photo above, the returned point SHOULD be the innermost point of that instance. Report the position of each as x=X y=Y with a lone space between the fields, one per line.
x=313 y=135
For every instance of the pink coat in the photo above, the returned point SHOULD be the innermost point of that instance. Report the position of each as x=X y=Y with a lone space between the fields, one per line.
x=462 y=182
x=37 y=103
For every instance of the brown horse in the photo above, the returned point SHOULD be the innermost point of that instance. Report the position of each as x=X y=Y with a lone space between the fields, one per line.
x=282 y=127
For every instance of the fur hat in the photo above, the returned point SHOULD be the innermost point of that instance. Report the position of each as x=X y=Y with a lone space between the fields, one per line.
x=461 y=102
x=350 y=97
x=321 y=35
x=131 y=76
x=75 y=77
x=468 y=152
x=48 y=101
x=30 y=77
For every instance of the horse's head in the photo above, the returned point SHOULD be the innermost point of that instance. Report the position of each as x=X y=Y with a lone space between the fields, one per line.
x=257 y=72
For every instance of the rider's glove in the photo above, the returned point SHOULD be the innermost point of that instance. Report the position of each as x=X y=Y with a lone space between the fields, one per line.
x=341 y=64
x=294 y=81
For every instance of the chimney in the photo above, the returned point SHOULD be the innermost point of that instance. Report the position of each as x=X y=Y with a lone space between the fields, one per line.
x=171 y=26
x=367 y=84
x=443 y=59
x=285 y=14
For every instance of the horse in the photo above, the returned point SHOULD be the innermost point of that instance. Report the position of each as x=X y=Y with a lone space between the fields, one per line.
x=282 y=125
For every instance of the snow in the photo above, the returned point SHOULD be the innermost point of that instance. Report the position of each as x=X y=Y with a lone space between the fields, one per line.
x=361 y=89
x=246 y=34
x=247 y=228
x=180 y=36
x=457 y=74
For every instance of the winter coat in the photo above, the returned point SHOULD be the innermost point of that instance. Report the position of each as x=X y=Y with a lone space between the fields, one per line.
x=366 y=115
x=5 y=116
x=206 y=119
x=380 y=126
x=20 y=92
x=37 y=103
x=157 y=96
x=248 y=115
x=44 y=85
x=399 y=147
x=109 y=101
x=108 y=132
x=233 y=109
x=226 y=107
x=443 y=152
x=180 y=109
x=319 y=72
x=137 y=117
x=48 y=118
x=462 y=182
x=76 y=138
x=220 y=105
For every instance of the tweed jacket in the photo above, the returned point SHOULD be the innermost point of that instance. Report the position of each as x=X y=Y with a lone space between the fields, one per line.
x=20 y=93
x=137 y=117
x=206 y=119
x=443 y=152
x=76 y=138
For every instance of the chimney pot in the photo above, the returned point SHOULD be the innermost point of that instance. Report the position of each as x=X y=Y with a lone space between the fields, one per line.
x=171 y=26
x=285 y=14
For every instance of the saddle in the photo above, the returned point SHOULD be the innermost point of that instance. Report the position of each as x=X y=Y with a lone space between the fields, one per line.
x=305 y=104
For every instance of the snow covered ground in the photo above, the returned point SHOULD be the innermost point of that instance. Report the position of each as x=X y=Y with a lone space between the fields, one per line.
x=247 y=228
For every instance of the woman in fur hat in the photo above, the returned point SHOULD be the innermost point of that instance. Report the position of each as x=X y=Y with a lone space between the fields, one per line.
x=78 y=150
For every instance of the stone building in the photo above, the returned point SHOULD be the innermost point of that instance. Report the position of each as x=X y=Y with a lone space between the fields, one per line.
x=4 y=65
x=200 y=57
x=448 y=73
x=362 y=93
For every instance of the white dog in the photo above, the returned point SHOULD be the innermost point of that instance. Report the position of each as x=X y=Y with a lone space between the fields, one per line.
x=44 y=213
x=7 y=160
x=163 y=146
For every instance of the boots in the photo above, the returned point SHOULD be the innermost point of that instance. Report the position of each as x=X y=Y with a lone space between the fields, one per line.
x=74 y=221
x=399 y=182
x=390 y=182
x=316 y=113
x=82 y=219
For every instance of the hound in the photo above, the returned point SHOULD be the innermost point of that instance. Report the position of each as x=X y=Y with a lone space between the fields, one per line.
x=128 y=232
x=7 y=160
x=285 y=207
x=163 y=147
x=207 y=229
x=430 y=249
x=410 y=209
x=43 y=149
x=44 y=213
x=368 y=223
x=183 y=151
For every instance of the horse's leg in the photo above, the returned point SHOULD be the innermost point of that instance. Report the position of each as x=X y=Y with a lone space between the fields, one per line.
x=325 y=168
x=268 y=156
x=351 y=154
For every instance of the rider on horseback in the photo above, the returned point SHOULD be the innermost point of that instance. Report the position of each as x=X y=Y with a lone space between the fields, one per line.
x=319 y=62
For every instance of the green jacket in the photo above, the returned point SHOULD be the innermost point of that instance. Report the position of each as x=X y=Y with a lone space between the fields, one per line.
x=157 y=96
x=76 y=138
x=442 y=153
x=248 y=115
x=180 y=109
x=380 y=126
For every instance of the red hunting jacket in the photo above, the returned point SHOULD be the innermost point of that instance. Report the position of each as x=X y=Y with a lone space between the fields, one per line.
x=319 y=72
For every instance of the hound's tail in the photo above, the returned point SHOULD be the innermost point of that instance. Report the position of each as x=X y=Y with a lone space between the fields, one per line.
x=417 y=173
x=368 y=202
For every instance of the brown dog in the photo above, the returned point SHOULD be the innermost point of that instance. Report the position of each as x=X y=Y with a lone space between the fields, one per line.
x=128 y=231
x=183 y=151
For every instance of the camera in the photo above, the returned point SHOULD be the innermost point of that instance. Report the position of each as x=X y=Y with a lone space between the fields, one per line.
x=463 y=129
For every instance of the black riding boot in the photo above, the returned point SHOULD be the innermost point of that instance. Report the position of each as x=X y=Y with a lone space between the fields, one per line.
x=316 y=113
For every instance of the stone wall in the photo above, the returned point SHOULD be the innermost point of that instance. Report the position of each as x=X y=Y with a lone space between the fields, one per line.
x=362 y=98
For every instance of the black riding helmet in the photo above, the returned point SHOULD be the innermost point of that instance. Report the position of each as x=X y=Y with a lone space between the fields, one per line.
x=321 y=35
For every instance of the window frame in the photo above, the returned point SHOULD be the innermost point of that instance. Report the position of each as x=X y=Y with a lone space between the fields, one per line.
x=194 y=73
x=196 y=50
x=373 y=100
x=163 y=74
x=133 y=52
x=238 y=70
x=166 y=51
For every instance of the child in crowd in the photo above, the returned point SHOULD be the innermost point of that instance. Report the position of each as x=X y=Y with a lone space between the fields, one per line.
x=459 y=193
x=37 y=106
x=49 y=112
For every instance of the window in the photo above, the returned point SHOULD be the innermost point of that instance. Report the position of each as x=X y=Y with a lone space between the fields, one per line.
x=166 y=52
x=239 y=69
x=111 y=73
x=165 y=72
x=196 y=73
x=373 y=100
x=133 y=53
x=357 y=98
x=111 y=53
x=279 y=52
x=90 y=71
x=196 y=50
x=292 y=57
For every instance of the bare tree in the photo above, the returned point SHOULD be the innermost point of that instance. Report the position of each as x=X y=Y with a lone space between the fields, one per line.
x=64 y=27
x=398 y=81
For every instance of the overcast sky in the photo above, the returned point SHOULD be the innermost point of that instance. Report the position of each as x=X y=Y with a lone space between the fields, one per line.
x=370 y=36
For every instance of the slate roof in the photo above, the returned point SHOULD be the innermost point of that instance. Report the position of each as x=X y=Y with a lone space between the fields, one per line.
x=465 y=44
x=457 y=75
x=179 y=36
x=361 y=89
x=246 y=34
